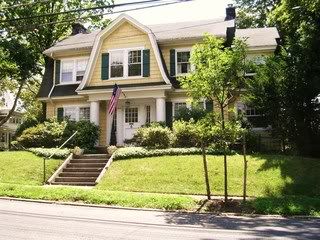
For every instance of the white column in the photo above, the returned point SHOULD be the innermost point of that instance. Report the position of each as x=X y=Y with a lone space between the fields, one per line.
x=120 y=126
x=160 y=110
x=94 y=112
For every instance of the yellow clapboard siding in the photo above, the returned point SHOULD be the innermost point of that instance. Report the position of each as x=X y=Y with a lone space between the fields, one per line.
x=126 y=36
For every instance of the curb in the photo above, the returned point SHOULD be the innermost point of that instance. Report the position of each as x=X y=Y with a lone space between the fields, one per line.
x=223 y=214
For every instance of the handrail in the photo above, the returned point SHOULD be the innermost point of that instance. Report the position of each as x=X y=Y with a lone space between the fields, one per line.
x=46 y=158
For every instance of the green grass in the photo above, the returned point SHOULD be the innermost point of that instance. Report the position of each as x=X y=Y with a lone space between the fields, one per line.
x=93 y=196
x=267 y=175
x=23 y=167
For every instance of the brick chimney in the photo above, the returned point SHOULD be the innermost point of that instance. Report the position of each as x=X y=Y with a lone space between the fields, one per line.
x=230 y=12
x=78 y=28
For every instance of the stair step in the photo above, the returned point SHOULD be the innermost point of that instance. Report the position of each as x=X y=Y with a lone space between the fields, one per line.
x=88 y=161
x=79 y=174
x=91 y=170
x=75 y=179
x=75 y=183
x=86 y=165
x=92 y=156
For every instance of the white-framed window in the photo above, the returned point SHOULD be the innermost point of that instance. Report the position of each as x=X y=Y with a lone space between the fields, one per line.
x=72 y=70
x=177 y=106
x=148 y=114
x=126 y=63
x=131 y=115
x=76 y=113
x=116 y=64
x=134 y=63
x=183 y=65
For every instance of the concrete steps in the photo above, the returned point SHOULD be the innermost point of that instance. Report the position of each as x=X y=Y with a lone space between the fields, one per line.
x=82 y=170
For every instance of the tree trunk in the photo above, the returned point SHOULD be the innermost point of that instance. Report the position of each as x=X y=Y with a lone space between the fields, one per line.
x=245 y=167
x=6 y=118
x=224 y=158
x=206 y=175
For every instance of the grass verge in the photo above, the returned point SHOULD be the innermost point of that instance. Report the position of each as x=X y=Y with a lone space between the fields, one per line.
x=93 y=196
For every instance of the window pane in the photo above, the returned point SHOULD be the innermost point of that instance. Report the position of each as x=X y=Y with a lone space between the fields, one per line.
x=135 y=56
x=117 y=71
x=183 y=56
x=81 y=68
x=131 y=115
x=179 y=105
x=183 y=68
x=67 y=71
x=134 y=69
x=84 y=113
x=70 y=113
x=116 y=64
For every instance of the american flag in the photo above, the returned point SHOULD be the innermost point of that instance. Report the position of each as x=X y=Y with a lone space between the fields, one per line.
x=114 y=99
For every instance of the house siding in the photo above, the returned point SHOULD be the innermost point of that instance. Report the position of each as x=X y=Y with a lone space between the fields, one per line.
x=126 y=36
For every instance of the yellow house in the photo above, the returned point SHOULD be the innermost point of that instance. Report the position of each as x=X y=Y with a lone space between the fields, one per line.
x=143 y=61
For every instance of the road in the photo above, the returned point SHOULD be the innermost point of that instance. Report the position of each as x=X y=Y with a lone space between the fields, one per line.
x=39 y=221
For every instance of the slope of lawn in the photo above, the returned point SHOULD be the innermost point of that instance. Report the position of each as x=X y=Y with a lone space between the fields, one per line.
x=267 y=175
x=23 y=167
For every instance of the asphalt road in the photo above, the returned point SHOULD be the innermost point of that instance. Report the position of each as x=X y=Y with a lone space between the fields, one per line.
x=28 y=220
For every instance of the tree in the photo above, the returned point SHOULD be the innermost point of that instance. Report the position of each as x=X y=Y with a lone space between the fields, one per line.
x=42 y=32
x=255 y=13
x=218 y=76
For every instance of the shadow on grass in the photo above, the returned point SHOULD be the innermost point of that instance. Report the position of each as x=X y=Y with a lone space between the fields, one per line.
x=301 y=175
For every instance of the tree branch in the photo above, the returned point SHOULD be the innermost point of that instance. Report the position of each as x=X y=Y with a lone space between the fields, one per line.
x=6 y=118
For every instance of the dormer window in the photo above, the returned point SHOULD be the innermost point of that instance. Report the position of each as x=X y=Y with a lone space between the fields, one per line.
x=72 y=70
x=126 y=63
x=183 y=62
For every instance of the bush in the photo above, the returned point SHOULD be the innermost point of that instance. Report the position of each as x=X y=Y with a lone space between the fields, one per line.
x=187 y=114
x=47 y=134
x=52 y=133
x=185 y=135
x=46 y=152
x=140 y=152
x=25 y=125
x=154 y=136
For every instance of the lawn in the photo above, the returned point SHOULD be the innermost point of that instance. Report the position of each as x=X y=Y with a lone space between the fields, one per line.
x=267 y=175
x=23 y=167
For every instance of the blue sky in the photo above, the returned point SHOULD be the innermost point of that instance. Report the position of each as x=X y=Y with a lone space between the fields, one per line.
x=187 y=11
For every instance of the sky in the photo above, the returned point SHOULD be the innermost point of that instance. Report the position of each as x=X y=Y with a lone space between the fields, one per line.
x=186 y=11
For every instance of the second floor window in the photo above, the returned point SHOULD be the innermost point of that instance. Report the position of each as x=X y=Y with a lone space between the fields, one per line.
x=125 y=63
x=183 y=62
x=73 y=70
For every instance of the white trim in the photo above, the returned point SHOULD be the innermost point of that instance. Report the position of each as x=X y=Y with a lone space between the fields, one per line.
x=64 y=97
x=125 y=64
x=98 y=42
x=74 y=69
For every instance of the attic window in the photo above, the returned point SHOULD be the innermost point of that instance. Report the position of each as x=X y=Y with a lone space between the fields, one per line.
x=117 y=63
x=183 y=62
x=72 y=70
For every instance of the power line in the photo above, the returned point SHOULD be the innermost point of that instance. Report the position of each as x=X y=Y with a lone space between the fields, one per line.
x=81 y=10
x=103 y=14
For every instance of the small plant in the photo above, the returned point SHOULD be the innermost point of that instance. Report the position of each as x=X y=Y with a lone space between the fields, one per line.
x=77 y=151
x=111 y=150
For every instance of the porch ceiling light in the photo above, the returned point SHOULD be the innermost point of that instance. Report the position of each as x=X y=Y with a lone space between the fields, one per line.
x=127 y=104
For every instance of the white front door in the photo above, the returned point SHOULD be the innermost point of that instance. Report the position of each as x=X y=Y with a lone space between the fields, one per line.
x=132 y=121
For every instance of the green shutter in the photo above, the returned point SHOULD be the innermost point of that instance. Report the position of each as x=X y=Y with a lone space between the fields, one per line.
x=60 y=114
x=105 y=66
x=169 y=114
x=209 y=105
x=146 y=62
x=172 y=62
x=57 y=73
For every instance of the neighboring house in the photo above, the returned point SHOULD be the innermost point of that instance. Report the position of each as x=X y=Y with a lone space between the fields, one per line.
x=7 y=130
x=144 y=61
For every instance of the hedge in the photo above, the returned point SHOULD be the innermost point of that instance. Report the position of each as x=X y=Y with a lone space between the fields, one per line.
x=46 y=152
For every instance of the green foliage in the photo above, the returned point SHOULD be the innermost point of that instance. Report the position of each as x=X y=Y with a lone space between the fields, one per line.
x=47 y=134
x=186 y=114
x=47 y=152
x=154 y=136
x=185 y=134
x=254 y=14
x=26 y=124
x=87 y=136
x=52 y=134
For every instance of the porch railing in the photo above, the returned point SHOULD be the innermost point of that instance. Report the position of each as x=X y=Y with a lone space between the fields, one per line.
x=47 y=158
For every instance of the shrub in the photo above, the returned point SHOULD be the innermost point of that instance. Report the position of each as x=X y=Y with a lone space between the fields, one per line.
x=47 y=134
x=25 y=125
x=52 y=134
x=154 y=136
x=185 y=135
x=187 y=114
x=140 y=152
x=46 y=152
